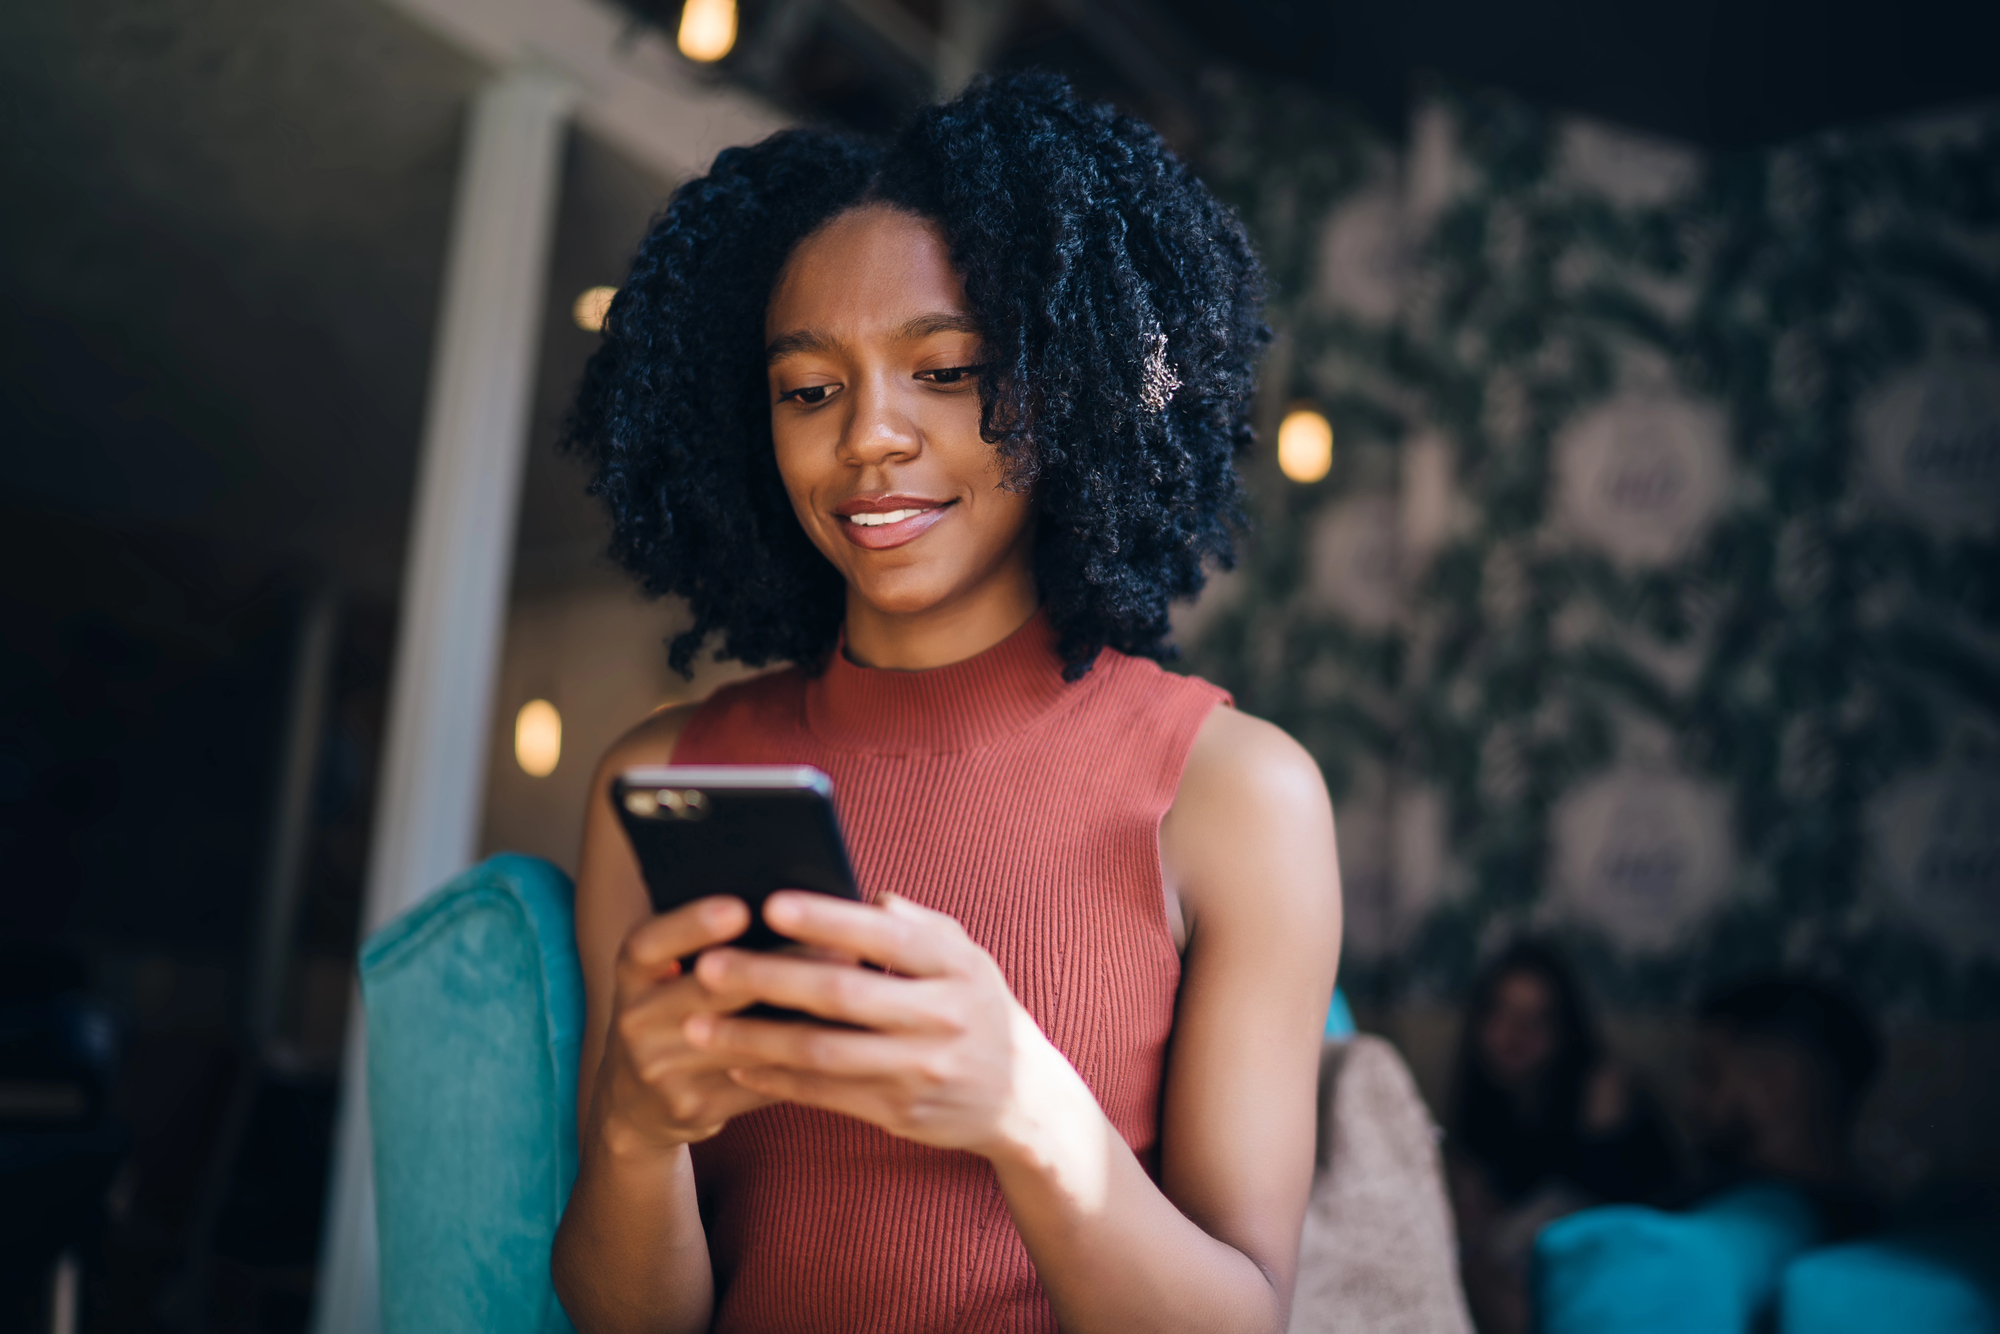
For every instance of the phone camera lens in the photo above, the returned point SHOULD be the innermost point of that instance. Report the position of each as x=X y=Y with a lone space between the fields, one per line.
x=688 y=805
x=641 y=803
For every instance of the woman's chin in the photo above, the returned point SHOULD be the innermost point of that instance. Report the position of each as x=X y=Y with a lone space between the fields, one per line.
x=920 y=590
x=902 y=599
x=943 y=583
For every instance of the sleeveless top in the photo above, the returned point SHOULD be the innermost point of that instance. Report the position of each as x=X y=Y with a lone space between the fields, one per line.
x=1029 y=809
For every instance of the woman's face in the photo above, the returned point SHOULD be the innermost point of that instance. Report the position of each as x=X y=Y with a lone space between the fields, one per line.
x=873 y=360
x=1517 y=1039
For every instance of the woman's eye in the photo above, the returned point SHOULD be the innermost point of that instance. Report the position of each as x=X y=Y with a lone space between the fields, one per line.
x=950 y=374
x=808 y=394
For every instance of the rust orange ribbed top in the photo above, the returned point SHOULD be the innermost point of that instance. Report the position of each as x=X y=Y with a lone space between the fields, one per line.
x=1029 y=809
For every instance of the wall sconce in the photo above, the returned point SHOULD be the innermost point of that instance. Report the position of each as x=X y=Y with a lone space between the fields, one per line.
x=1305 y=444
x=537 y=738
x=708 y=29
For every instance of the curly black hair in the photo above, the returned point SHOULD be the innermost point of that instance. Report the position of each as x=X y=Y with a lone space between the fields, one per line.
x=1105 y=278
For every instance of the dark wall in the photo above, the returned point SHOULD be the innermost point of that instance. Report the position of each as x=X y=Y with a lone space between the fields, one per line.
x=139 y=696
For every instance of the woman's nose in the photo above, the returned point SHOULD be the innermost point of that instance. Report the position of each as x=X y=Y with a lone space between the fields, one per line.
x=881 y=428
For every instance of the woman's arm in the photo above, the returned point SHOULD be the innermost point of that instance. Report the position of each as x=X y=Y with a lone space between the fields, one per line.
x=631 y=1253
x=953 y=1060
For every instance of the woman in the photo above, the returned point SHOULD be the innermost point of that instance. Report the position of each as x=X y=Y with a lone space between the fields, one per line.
x=1540 y=1124
x=946 y=425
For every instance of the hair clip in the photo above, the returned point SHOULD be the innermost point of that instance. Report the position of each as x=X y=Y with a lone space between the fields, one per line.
x=1157 y=380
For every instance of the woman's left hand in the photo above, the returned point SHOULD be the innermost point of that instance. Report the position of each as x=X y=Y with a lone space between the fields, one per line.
x=947 y=1056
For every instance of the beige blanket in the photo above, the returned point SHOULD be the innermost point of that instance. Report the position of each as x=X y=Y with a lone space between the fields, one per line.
x=1378 y=1253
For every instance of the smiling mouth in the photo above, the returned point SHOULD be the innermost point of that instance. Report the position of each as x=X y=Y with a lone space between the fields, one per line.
x=881 y=529
x=891 y=516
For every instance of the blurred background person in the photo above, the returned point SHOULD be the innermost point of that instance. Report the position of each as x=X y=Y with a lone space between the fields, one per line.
x=1540 y=1123
x=1781 y=1066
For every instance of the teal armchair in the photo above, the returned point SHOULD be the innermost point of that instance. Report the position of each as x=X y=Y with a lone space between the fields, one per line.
x=1943 y=1279
x=1752 y=1260
x=475 y=1013
x=1629 y=1269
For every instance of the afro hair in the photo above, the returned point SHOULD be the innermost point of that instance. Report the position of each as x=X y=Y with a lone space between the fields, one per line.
x=1120 y=308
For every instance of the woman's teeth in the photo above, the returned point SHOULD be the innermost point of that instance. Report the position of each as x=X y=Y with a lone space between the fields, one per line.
x=877 y=520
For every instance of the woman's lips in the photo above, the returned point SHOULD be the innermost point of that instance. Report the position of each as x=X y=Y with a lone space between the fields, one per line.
x=906 y=524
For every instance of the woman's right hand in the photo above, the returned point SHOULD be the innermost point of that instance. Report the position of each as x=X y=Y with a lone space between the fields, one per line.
x=654 y=1091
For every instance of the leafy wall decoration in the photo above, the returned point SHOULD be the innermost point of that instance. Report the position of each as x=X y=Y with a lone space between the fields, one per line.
x=1654 y=599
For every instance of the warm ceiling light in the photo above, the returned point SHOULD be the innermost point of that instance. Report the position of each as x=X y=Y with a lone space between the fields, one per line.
x=708 y=29
x=538 y=738
x=591 y=308
x=1305 y=445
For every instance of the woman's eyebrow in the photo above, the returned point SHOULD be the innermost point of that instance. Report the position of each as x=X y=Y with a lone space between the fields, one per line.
x=923 y=326
x=799 y=340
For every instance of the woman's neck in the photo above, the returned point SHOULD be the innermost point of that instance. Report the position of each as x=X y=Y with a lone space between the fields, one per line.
x=938 y=636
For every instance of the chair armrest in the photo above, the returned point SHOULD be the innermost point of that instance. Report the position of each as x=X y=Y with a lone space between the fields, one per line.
x=475 y=1014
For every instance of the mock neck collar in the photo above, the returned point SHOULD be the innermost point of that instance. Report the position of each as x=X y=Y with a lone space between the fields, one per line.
x=960 y=706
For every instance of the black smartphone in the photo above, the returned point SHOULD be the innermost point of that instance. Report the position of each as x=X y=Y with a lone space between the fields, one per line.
x=745 y=830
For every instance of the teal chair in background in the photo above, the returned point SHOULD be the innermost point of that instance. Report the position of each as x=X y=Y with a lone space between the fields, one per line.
x=1629 y=1269
x=475 y=1014
x=1339 y=1019
x=1751 y=1261
x=1939 y=1280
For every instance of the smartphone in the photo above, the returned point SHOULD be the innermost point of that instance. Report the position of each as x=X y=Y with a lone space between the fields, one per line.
x=743 y=830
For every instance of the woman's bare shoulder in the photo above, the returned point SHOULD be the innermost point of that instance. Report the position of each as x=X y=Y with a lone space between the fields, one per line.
x=1239 y=760
x=1250 y=797
x=652 y=741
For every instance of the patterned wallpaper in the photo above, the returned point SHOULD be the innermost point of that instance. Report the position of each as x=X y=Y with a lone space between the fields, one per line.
x=1653 y=601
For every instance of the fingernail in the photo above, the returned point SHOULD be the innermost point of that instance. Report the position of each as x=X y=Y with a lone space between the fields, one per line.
x=699 y=1028
x=781 y=908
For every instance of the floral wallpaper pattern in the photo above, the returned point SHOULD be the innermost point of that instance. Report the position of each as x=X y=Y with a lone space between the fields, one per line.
x=1653 y=601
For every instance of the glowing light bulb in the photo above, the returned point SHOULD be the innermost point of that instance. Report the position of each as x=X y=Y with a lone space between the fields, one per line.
x=708 y=29
x=1305 y=445
x=591 y=307
x=538 y=738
